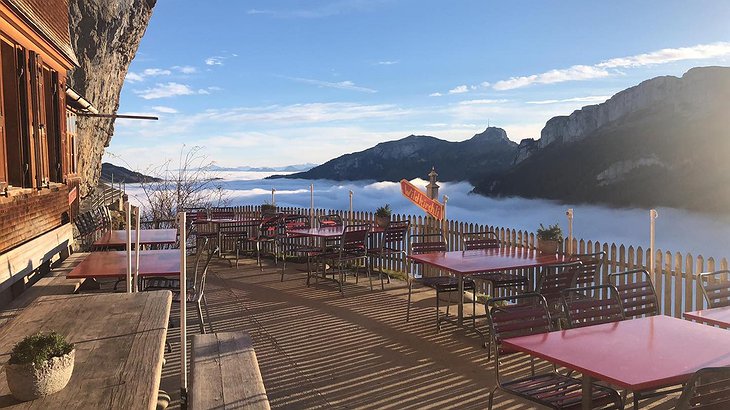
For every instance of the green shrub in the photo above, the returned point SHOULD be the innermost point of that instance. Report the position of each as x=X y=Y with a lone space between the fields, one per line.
x=384 y=211
x=551 y=233
x=39 y=348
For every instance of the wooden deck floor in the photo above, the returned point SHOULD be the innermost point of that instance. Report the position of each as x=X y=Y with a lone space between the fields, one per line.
x=317 y=349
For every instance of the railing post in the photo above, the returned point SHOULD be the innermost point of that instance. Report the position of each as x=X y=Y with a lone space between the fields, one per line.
x=569 y=214
x=129 y=247
x=273 y=196
x=652 y=224
x=351 y=216
x=183 y=310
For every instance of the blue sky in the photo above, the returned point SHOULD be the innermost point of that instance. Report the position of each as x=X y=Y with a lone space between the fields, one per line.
x=285 y=82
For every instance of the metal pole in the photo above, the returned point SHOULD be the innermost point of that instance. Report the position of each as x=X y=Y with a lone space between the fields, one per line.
x=129 y=247
x=351 y=215
x=183 y=308
x=273 y=196
x=569 y=214
x=136 y=253
x=444 y=224
x=311 y=205
x=652 y=225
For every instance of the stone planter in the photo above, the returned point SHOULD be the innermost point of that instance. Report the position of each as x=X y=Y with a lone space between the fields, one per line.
x=382 y=221
x=27 y=382
x=548 y=247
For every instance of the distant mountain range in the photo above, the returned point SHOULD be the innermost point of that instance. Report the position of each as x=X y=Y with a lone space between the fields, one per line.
x=121 y=174
x=664 y=142
x=288 y=168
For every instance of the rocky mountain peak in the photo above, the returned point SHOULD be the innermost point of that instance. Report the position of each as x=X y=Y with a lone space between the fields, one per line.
x=491 y=134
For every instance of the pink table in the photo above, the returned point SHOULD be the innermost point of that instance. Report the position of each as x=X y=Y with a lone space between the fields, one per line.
x=717 y=316
x=638 y=355
x=485 y=260
x=115 y=239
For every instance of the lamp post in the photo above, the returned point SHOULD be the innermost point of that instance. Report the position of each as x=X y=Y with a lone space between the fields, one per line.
x=569 y=214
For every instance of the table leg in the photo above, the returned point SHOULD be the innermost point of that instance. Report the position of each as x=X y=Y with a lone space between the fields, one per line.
x=587 y=402
x=461 y=300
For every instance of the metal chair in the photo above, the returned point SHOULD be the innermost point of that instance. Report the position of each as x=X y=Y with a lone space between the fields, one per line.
x=351 y=252
x=591 y=266
x=592 y=305
x=294 y=244
x=708 y=388
x=716 y=287
x=425 y=243
x=524 y=315
x=553 y=280
x=329 y=220
x=268 y=231
x=637 y=293
x=392 y=244
x=497 y=280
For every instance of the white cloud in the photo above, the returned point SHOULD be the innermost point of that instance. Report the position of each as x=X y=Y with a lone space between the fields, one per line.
x=459 y=89
x=574 y=73
x=481 y=102
x=342 y=85
x=589 y=99
x=435 y=95
x=133 y=77
x=387 y=62
x=170 y=89
x=668 y=55
x=186 y=69
x=150 y=72
x=164 y=110
x=215 y=60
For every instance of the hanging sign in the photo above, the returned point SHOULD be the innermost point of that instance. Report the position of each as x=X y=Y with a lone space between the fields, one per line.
x=415 y=195
x=72 y=195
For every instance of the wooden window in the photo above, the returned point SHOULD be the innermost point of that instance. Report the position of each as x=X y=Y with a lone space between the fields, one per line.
x=38 y=105
x=71 y=141
x=53 y=125
x=15 y=142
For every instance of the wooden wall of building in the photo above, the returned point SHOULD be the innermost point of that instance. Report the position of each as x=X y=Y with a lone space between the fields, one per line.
x=32 y=213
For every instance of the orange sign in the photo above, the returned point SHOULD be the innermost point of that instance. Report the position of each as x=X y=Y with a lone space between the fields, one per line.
x=431 y=206
x=72 y=195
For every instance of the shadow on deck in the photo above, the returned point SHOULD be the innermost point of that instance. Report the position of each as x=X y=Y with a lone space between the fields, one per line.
x=317 y=349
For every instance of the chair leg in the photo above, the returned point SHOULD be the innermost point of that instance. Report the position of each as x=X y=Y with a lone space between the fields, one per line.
x=207 y=313
x=408 y=310
x=283 y=265
x=200 y=318
x=258 y=255
x=491 y=397
x=369 y=270
x=438 y=324
x=381 y=274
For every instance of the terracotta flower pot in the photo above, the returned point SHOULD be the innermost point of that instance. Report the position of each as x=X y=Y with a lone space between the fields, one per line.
x=28 y=382
x=382 y=221
x=548 y=247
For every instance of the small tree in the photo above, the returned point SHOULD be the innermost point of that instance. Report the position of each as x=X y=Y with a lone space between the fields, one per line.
x=192 y=183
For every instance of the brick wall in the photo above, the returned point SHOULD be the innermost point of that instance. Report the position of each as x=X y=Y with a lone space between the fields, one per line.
x=27 y=215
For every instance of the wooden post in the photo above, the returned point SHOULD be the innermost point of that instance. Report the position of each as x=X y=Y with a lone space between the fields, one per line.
x=311 y=204
x=351 y=220
x=569 y=214
x=136 y=252
x=129 y=247
x=652 y=224
x=444 y=224
x=181 y=223
x=273 y=196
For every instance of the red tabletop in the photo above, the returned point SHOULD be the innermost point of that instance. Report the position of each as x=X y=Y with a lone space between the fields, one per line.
x=639 y=354
x=487 y=260
x=716 y=316
x=327 y=231
x=114 y=264
x=146 y=237
x=223 y=221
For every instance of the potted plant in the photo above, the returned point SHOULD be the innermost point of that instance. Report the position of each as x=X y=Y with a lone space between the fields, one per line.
x=548 y=239
x=40 y=364
x=268 y=209
x=382 y=216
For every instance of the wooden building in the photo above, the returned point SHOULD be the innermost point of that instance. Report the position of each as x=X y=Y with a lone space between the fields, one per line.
x=38 y=175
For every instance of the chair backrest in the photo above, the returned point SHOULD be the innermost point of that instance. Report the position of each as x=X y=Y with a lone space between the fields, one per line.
x=708 y=388
x=480 y=240
x=290 y=222
x=592 y=305
x=428 y=242
x=200 y=278
x=516 y=315
x=591 y=266
x=329 y=220
x=394 y=236
x=637 y=293
x=269 y=227
x=554 y=279
x=354 y=238
x=716 y=287
x=222 y=213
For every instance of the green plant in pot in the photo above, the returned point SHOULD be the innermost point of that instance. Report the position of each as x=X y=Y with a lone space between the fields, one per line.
x=268 y=209
x=548 y=239
x=40 y=364
x=382 y=216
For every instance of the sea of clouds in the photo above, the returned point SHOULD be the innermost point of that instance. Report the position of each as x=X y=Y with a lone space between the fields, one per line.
x=676 y=230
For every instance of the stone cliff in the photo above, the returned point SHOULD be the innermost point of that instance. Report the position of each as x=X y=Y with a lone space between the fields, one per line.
x=696 y=89
x=105 y=35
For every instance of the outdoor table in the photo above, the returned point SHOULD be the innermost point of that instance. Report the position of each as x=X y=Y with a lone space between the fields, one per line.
x=716 y=316
x=116 y=239
x=217 y=222
x=119 y=340
x=328 y=232
x=113 y=264
x=638 y=355
x=464 y=263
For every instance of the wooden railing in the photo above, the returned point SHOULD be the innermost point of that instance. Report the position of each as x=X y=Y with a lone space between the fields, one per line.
x=674 y=279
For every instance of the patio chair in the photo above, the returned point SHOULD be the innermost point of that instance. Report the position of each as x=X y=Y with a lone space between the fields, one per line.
x=392 y=244
x=716 y=287
x=331 y=221
x=524 y=315
x=637 y=293
x=708 y=388
x=425 y=243
x=222 y=212
x=592 y=305
x=497 y=280
x=267 y=233
x=293 y=244
x=553 y=280
x=351 y=252
x=235 y=235
x=591 y=266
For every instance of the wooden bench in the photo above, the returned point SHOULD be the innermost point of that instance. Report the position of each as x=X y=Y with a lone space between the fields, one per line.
x=54 y=283
x=225 y=374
